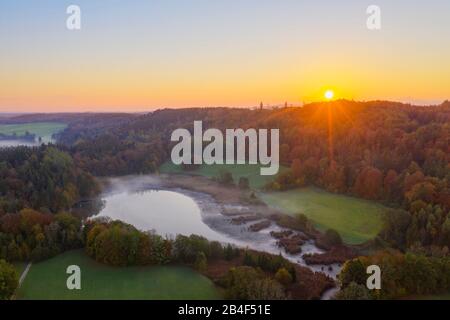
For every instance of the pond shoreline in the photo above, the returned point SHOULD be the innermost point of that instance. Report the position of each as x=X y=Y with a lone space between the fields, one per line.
x=219 y=205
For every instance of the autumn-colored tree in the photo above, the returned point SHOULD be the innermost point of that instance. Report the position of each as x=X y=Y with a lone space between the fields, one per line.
x=9 y=280
x=201 y=263
x=353 y=271
x=296 y=167
x=412 y=179
x=369 y=183
x=283 y=276
x=354 y=291
x=390 y=184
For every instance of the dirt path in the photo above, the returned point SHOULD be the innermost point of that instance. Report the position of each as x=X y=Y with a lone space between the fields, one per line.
x=24 y=274
x=21 y=280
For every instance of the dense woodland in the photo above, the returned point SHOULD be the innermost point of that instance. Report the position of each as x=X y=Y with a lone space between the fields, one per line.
x=389 y=152
x=38 y=186
x=33 y=236
x=44 y=178
x=403 y=275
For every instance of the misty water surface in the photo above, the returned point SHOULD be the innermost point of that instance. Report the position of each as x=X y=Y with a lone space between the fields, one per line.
x=167 y=212
x=140 y=201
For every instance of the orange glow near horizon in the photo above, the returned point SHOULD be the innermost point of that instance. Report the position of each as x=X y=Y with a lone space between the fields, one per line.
x=92 y=90
x=130 y=58
x=103 y=92
x=86 y=86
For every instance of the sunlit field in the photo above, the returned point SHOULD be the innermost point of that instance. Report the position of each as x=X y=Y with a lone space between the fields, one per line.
x=47 y=280
x=356 y=220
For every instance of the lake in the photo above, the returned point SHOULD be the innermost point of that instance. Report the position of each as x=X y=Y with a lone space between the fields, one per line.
x=142 y=202
x=167 y=212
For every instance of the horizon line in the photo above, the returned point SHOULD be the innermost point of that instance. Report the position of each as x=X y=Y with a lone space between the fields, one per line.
x=430 y=103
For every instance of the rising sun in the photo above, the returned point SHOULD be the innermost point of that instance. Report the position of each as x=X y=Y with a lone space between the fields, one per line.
x=329 y=94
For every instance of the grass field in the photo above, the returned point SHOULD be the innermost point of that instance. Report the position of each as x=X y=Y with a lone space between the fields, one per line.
x=355 y=219
x=47 y=280
x=252 y=172
x=40 y=129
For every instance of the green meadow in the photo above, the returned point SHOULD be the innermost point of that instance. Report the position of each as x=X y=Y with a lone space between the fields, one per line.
x=40 y=129
x=47 y=280
x=252 y=172
x=355 y=219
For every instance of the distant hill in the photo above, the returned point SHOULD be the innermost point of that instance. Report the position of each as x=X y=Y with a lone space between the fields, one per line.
x=61 y=117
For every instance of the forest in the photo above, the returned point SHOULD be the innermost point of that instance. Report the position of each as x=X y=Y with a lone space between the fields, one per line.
x=389 y=152
x=38 y=187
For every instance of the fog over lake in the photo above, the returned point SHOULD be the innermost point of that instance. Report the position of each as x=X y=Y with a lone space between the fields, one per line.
x=167 y=212
x=143 y=202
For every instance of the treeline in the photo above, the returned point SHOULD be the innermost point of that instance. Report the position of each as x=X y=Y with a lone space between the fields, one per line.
x=119 y=244
x=32 y=235
x=109 y=154
x=402 y=275
x=9 y=280
x=137 y=144
x=424 y=227
x=247 y=283
x=108 y=144
x=99 y=145
x=252 y=275
x=42 y=178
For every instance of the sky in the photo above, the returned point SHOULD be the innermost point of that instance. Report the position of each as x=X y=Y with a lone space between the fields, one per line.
x=137 y=55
